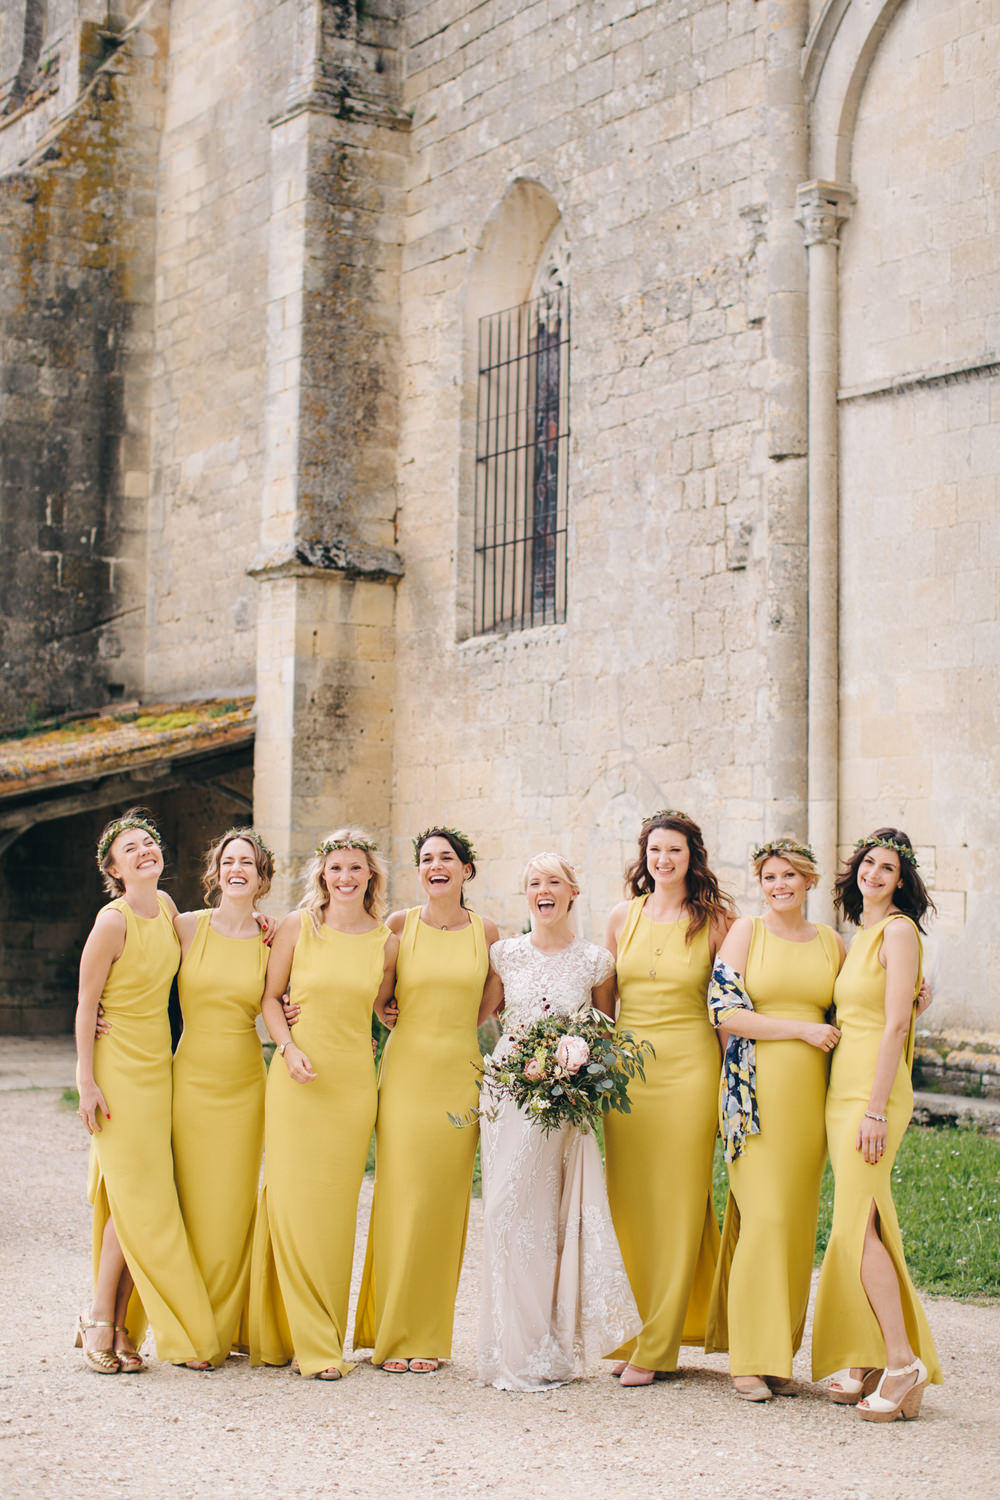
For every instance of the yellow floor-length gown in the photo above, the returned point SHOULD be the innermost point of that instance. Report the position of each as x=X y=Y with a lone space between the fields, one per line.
x=316 y=1139
x=219 y=1078
x=423 y=1163
x=846 y=1332
x=764 y=1274
x=659 y=1157
x=132 y=1168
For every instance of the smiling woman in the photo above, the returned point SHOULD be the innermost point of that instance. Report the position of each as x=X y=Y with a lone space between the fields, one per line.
x=219 y=1073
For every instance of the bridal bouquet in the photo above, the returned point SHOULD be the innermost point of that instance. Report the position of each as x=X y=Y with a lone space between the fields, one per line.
x=562 y=1070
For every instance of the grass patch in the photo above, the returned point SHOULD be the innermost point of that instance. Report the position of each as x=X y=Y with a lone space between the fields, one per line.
x=946 y=1185
x=70 y=1099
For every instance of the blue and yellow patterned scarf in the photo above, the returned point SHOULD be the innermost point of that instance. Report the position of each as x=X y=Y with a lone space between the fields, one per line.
x=726 y=994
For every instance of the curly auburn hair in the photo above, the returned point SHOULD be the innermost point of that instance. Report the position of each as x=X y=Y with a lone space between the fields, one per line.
x=317 y=897
x=910 y=896
x=705 y=899
x=263 y=859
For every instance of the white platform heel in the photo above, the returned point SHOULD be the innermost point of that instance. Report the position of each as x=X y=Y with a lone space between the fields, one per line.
x=876 y=1408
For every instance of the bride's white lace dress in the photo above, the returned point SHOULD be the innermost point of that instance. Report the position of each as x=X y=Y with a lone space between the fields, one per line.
x=555 y=1292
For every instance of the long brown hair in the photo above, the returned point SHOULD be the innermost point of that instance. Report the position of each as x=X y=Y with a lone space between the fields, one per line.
x=910 y=896
x=705 y=899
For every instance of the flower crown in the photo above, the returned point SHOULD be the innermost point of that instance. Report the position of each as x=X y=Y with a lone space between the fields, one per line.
x=119 y=826
x=782 y=846
x=328 y=846
x=666 y=812
x=456 y=833
x=905 y=851
x=252 y=835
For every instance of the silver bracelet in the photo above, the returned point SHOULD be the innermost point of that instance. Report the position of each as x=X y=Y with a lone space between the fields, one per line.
x=871 y=1115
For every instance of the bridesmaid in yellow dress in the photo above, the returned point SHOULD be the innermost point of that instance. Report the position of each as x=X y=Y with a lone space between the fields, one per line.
x=423 y=1165
x=868 y=1316
x=665 y=940
x=219 y=1074
x=143 y=1263
x=337 y=958
x=771 y=989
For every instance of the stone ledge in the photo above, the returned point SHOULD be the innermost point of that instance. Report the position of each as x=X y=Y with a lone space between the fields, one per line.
x=958 y=1063
x=354 y=560
x=957 y=1109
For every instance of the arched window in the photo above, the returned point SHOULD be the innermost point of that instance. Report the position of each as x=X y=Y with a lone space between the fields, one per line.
x=522 y=449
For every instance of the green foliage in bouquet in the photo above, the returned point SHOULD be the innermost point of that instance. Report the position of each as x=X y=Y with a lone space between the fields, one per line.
x=562 y=1070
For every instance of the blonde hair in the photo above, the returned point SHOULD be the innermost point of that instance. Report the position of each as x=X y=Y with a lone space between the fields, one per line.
x=317 y=898
x=263 y=858
x=549 y=863
x=798 y=858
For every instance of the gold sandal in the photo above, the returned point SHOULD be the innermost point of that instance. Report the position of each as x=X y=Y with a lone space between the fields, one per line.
x=130 y=1360
x=101 y=1361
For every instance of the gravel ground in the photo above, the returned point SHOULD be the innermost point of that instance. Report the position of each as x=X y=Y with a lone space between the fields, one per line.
x=65 y=1431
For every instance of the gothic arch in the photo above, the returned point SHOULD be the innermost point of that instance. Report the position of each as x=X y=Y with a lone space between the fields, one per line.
x=835 y=61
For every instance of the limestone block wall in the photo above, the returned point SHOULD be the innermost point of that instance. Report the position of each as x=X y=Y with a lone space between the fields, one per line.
x=228 y=66
x=640 y=125
x=76 y=325
x=920 y=477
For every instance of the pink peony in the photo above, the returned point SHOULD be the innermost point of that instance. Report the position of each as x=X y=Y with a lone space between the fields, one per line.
x=572 y=1053
x=532 y=1068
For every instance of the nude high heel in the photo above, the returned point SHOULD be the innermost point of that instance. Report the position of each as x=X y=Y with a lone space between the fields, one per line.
x=845 y=1390
x=101 y=1361
x=876 y=1408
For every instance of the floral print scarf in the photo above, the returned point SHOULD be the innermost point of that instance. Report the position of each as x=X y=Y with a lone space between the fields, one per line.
x=727 y=994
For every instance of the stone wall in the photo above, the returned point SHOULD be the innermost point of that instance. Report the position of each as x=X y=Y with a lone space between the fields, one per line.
x=76 y=323
x=920 y=477
x=640 y=125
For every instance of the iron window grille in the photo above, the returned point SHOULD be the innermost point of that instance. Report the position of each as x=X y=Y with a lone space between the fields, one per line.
x=522 y=451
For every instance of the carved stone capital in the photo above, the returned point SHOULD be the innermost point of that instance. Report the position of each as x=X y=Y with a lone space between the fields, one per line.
x=822 y=208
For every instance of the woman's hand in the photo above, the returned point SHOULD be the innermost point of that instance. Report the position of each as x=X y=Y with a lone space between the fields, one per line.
x=818 y=1034
x=924 y=997
x=101 y=1026
x=871 y=1139
x=268 y=926
x=92 y=1104
x=291 y=1010
x=390 y=1015
x=299 y=1067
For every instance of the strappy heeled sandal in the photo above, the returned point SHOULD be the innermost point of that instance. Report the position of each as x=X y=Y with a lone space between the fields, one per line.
x=101 y=1361
x=878 y=1408
x=130 y=1360
x=846 y=1390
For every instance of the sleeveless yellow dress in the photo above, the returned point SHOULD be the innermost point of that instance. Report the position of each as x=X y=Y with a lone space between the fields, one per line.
x=316 y=1139
x=131 y=1165
x=423 y=1164
x=763 y=1278
x=845 y=1330
x=659 y=1157
x=219 y=1079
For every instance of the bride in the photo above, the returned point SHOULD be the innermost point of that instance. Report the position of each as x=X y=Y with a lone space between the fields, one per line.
x=555 y=1292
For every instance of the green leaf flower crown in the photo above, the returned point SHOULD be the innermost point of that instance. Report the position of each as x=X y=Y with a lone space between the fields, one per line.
x=456 y=833
x=905 y=851
x=328 y=846
x=666 y=812
x=252 y=835
x=782 y=846
x=119 y=826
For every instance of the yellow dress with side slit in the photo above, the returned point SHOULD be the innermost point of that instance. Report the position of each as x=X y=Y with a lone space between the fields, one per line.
x=764 y=1274
x=846 y=1332
x=218 y=1114
x=316 y=1139
x=132 y=1168
x=659 y=1157
x=423 y=1163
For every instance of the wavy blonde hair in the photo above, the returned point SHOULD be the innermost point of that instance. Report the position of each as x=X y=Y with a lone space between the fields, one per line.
x=796 y=857
x=550 y=863
x=317 y=897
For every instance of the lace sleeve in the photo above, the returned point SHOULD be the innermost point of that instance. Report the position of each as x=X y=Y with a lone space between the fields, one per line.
x=497 y=957
x=604 y=965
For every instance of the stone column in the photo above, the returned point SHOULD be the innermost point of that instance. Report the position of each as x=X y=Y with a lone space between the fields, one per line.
x=327 y=566
x=822 y=208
